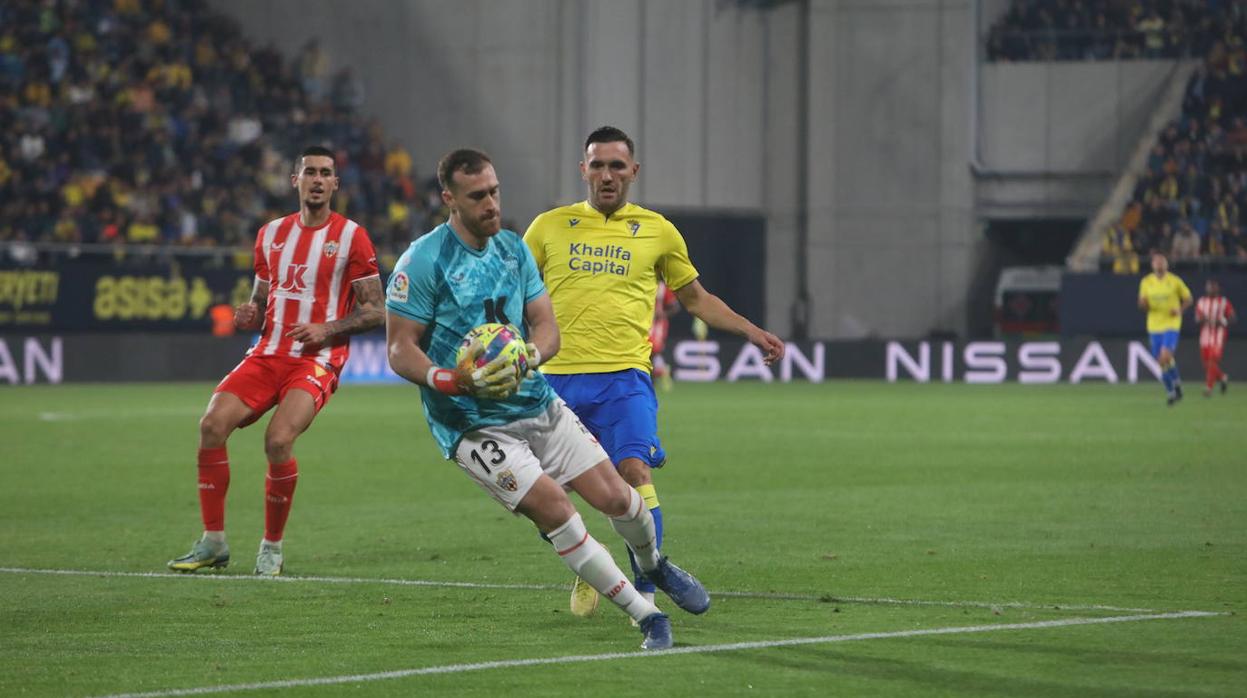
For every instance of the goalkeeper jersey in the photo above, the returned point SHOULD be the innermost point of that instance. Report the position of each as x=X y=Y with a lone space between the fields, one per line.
x=451 y=288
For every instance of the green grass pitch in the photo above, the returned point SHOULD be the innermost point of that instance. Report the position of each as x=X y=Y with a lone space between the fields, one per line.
x=819 y=502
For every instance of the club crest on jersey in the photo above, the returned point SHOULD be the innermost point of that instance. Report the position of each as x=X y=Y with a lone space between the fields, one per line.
x=573 y=222
x=458 y=277
x=506 y=480
x=634 y=225
x=398 y=287
x=331 y=248
x=512 y=264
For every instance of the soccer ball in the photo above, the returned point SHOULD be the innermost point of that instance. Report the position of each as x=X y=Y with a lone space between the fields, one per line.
x=498 y=340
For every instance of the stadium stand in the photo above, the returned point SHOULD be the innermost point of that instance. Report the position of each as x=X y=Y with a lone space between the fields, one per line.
x=155 y=122
x=1077 y=30
x=1190 y=198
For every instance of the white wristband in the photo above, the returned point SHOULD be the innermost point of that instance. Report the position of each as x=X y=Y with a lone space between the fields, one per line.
x=428 y=377
x=534 y=358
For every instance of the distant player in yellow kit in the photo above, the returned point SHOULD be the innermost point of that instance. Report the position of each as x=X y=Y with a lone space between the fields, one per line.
x=1164 y=297
x=602 y=260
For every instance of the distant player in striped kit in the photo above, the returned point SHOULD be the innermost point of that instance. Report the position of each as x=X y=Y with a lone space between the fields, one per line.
x=316 y=283
x=1214 y=313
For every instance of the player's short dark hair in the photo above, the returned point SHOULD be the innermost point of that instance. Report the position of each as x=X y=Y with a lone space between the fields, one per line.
x=314 y=151
x=610 y=134
x=467 y=160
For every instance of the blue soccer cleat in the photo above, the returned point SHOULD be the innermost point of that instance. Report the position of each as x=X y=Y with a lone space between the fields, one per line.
x=657 y=629
x=682 y=587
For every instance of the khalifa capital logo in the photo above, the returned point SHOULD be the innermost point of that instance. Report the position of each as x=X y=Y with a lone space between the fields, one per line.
x=634 y=225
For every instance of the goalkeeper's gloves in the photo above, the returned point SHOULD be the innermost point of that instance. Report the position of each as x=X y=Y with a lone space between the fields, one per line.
x=496 y=380
x=533 y=355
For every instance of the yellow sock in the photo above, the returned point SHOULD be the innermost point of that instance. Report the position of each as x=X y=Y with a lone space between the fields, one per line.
x=649 y=495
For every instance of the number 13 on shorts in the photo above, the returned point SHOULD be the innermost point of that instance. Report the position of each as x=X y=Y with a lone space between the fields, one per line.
x=503 y=467
x=506 y=460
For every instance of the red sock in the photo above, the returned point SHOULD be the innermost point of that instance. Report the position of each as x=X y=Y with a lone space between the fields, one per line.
x=1211 y=372
x=213 y=484
x=278 y=493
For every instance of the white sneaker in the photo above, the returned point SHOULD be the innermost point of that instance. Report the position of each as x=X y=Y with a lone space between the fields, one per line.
x=268 y=562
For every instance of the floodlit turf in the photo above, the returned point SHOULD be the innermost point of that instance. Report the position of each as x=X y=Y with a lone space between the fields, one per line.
x=1056 y=497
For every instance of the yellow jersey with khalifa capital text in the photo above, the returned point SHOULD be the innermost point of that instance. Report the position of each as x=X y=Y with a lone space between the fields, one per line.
x=602 y=275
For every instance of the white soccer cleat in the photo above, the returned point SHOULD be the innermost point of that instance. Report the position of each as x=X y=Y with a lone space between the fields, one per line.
x=268 y=562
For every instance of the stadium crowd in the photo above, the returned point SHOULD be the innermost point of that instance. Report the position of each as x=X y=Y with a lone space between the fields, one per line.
x=1191 y=199
x=1077 y=30
x=156 y=122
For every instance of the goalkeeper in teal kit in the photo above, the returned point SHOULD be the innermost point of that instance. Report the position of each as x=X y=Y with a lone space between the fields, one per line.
x=509 y=432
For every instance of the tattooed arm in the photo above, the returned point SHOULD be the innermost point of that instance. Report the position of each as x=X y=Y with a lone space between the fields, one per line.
x=368 y=313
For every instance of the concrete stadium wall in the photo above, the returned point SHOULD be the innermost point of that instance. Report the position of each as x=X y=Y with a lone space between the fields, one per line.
x=711 y=91
x=889 y=184
x=527 y=81
x=1069 y=116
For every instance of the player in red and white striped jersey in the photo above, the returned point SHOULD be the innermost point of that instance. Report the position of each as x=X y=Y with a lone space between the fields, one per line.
x=316 y=283
x=1214 y=313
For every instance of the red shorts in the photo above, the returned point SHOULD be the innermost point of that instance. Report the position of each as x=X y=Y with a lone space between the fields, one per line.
x=263 y=381
x=1211 y=353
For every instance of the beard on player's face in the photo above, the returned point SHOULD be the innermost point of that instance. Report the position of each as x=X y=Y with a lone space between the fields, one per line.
x=612 y=195
x=486 y=224
x=315 y=204
x=315 y=195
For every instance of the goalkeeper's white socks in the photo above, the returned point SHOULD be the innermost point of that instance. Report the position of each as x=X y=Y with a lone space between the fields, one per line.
x=637 y=528
x=590 y=561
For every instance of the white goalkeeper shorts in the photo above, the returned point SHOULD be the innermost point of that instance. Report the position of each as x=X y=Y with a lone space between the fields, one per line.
x=507 y=460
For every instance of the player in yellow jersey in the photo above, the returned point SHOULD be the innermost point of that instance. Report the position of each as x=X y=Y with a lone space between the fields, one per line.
x=602 y=260
x=1165 y=297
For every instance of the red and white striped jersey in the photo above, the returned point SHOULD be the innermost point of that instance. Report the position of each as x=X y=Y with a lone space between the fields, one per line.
x=1212 y=312
x=309 y=273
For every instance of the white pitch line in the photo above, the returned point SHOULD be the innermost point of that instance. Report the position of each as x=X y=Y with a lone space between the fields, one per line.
x=884 y=601
x=705 y=649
